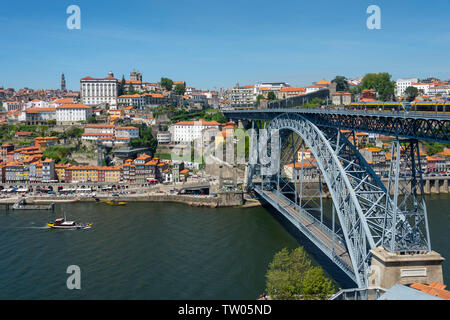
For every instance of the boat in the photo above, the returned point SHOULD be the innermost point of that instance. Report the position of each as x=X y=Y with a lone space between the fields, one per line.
x=116 y=203
x=61 y=223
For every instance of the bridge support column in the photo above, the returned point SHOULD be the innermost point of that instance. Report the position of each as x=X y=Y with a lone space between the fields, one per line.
x=388 y=268
x=406 y=230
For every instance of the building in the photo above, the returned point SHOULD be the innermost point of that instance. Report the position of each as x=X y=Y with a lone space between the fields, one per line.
x=341 y=98
x=135 y=100
x=96 y=91
x=127 y=132
x=12 y=105
x=289 y=92
x=99 y=128
x=73 y=113
x=48 y=170
x=39 y=115
x=402 y=84
x=242 y=96
x=163 y=137
x=63 y=83
x=187 y=131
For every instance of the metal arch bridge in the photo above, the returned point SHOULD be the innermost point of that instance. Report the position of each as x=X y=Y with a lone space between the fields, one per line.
x=368 y=215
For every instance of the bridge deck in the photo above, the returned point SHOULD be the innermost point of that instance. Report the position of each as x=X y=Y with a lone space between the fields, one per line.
x=312 y=226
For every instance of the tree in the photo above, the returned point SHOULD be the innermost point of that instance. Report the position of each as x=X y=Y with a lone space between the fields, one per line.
x=180 y=89
x=122 y=84
x=92 y=119
x=381 y=83
x=271 y=96
x=316 y=286
x=356 y=90
x=166 y=83
x=341 y=83
x=145 y=139
x=258 y=99
x=291 y=275
x=411 y=93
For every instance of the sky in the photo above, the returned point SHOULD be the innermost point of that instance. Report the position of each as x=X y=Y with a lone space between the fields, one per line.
x=213 y=44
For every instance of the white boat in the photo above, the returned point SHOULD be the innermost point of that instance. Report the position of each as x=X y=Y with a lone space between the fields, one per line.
x=61 y=223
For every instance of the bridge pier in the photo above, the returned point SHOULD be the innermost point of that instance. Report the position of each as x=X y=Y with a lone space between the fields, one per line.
x=388 y=269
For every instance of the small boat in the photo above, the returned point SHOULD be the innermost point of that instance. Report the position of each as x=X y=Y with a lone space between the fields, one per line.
x=116 y=203
x=61 y=223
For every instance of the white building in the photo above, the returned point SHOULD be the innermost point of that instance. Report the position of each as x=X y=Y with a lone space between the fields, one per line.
x=187 y=131
x=135 y=100
x=99 y=128
x=39 y=115
x=242 y=96
x=402 y=84
x=127 y=132
x=72 y=113
x=163 y=137
x=12 y=105
x=271 y=86
x=425 y=87
x=95 y=91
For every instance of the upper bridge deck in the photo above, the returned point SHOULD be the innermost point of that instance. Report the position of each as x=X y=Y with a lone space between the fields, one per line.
x=426 y=126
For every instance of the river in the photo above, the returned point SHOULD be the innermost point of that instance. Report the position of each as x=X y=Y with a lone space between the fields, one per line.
x=159 y=251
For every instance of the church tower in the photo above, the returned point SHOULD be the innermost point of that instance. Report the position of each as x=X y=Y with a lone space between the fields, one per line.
x=63 y=83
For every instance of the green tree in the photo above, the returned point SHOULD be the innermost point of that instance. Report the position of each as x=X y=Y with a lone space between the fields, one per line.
x=122 y=85
x=356 y=90
x=180 y=89
x=92 y=119
x=341 y=83
x=145 y=140
x=271 y=95
x=316 y=286
x=166 y=83
x=291 y=275
x=411 y=93
x=74 y=132
x=258 y=99
x=381 y=83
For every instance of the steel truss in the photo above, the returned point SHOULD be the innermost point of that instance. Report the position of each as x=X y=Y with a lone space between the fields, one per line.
x=369 y=217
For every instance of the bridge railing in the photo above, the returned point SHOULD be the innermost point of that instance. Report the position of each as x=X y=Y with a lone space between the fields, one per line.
x=401 y=114
x=324 y=248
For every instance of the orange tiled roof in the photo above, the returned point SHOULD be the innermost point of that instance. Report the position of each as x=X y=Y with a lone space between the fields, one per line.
x=39 y=110
x=74 y=106
x=434 y=289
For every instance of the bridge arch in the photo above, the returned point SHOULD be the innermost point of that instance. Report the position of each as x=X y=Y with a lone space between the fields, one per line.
x=358 y=199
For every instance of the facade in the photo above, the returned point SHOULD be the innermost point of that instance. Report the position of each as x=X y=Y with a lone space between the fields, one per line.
x=48 y=170
x=12 y=105
x=39 y=115
x=73 y=113
x=163 y=137
x=187 y=131
x=96 y=91
x=242 y=96
x=402 y=84
x=289 y=92
x=99 y=128
x=341 y=98
x=127 y=132
x=135 y=100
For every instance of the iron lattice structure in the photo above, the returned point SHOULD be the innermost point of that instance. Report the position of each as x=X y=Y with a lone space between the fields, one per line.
x=412 y=125
x=368 y=215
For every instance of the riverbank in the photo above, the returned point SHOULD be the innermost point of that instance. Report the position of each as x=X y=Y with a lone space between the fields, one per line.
x=223 y=199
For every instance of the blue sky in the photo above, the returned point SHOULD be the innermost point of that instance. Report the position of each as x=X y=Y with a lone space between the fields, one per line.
x=213 y=44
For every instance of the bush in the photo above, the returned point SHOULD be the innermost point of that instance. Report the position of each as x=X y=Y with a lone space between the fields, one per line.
x=291 y=275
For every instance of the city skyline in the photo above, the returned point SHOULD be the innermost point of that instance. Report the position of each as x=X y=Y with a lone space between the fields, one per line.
x=214 y=45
